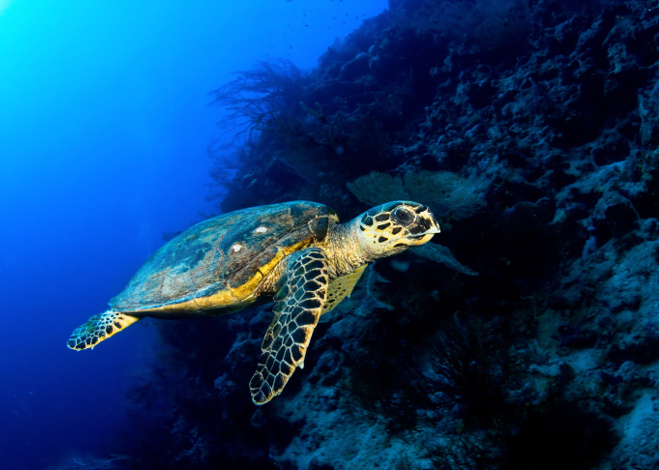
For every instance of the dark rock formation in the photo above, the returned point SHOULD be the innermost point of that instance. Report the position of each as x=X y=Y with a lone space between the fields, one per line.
x=540 y=122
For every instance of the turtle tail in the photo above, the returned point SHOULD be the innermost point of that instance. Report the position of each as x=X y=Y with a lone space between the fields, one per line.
x=98 y=328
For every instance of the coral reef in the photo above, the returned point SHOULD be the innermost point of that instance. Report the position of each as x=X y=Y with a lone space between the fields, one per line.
x=531 y=129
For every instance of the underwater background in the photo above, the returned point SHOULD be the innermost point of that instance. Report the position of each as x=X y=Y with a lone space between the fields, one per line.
x=525 y=336
x=105 y=121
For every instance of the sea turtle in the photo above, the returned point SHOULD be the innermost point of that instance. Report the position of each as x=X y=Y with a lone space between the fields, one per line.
x=297 y=251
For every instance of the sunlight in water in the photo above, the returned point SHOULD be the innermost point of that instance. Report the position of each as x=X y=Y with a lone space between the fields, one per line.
x=3 y=5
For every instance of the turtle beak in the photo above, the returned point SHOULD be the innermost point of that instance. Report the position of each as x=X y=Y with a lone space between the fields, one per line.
x=428 y=220
x=430 y=226
x=434 y=228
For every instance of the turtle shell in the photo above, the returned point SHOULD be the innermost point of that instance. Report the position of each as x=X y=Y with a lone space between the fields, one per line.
x=220 y=262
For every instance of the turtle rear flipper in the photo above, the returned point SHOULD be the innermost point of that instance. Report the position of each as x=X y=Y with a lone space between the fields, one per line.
x=98 y=328
x=299 y=303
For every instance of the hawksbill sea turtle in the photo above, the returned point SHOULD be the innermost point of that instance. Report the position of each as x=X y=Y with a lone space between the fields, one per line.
x=297 y=251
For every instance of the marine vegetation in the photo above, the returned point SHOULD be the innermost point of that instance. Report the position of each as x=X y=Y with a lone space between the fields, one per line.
x=261 y=97
x=528 y=338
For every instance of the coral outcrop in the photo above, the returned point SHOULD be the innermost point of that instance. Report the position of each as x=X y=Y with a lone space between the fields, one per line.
x=532 y=128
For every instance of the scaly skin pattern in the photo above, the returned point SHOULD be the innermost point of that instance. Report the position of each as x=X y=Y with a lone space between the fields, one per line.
x=298 y=251
x=99 y=327
x=221 y=255
x=306 y=281
x=298 y=306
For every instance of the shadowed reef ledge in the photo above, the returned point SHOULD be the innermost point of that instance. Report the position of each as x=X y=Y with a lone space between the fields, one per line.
x=531 y=129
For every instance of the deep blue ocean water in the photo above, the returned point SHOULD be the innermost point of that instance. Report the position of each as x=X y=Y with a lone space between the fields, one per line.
x=104 y=125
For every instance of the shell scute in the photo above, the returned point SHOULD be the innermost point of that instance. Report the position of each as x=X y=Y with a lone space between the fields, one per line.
x=203 y=260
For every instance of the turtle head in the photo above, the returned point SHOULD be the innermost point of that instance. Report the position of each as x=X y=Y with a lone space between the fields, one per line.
x=393 y=227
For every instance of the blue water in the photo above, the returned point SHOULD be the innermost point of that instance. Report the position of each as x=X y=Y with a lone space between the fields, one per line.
x=104 y=125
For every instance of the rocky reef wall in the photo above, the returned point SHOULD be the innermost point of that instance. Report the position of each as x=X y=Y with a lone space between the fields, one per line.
x=531 y=128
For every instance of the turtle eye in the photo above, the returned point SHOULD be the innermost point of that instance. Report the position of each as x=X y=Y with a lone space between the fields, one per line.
x=402 y=216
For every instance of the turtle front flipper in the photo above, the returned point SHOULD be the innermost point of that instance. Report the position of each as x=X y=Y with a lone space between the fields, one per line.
x=98 y=328
x=298 y=304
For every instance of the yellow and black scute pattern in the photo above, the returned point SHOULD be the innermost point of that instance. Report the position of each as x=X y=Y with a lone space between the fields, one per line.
x=222 y=254
x=299 y=303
